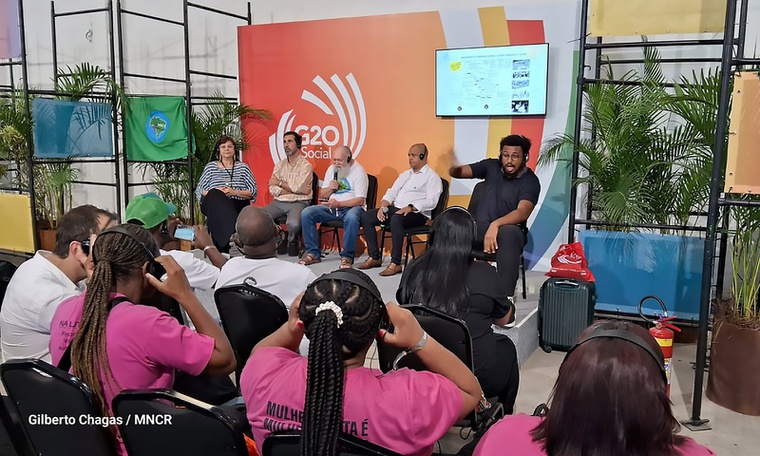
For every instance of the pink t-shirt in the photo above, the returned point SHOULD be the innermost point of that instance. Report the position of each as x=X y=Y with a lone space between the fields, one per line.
x=405 y=411
x=144 y=345
x=511 y=435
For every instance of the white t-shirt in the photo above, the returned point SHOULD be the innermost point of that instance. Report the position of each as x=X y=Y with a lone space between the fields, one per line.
x=355 y=184
x=31 y=299
x=200 y=274
x=281 y=278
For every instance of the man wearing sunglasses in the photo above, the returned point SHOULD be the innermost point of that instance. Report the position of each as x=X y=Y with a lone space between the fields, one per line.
x=511 y=192
x=45 y=280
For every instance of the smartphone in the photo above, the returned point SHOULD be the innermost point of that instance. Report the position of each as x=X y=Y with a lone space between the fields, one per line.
x=186 y=233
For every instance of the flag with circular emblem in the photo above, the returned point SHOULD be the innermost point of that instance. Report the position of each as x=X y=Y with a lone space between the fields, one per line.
x=156 y=129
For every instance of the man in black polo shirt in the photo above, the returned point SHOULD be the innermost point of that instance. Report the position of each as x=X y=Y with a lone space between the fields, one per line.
x=511 y=192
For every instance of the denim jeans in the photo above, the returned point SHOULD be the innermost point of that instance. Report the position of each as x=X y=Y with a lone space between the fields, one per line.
x=312 y=215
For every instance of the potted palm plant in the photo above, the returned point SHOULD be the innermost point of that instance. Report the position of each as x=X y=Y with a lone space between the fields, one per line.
x=735 y=349
x=645 y=158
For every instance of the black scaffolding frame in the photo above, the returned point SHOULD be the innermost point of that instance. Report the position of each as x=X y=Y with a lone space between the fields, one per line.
x=732 y=56
x=190 y=99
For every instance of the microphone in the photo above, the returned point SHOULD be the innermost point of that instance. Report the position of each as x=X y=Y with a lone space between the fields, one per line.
x=335 y=178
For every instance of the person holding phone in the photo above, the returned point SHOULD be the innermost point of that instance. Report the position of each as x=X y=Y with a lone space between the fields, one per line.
x=341 y=313
x=152 y=213
x=114 y=343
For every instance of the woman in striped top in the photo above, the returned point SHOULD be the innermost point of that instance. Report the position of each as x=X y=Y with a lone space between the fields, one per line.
x=225 y=188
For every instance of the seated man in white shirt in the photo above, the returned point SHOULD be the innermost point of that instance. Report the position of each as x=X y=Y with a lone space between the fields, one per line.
x=258 y=236
x=343 y=199
x=408 y=203
x=152 y=213
x=45 y=280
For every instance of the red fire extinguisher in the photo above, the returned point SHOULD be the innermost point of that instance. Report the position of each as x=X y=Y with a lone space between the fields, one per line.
x=663 y=333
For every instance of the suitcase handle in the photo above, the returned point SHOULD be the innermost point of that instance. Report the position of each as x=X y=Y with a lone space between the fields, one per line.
x=568 y=283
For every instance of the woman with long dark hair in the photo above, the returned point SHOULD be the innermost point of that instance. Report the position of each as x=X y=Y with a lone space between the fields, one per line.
x=445 y=277
x=609 y=399
x=113 y=343
x=224 y=189
x=331 y=390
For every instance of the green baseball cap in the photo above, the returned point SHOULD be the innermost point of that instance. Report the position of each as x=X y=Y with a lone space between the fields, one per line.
x=149 y=209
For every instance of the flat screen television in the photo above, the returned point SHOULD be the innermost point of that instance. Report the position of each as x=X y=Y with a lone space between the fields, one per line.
x=491 y=81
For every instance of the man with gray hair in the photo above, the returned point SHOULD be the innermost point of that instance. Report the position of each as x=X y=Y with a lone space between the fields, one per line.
x=343 y=195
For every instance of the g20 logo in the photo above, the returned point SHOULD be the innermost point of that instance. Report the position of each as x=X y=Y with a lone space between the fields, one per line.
x=346 y=106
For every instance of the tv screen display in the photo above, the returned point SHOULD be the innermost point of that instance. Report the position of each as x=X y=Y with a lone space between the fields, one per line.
x=491 y=81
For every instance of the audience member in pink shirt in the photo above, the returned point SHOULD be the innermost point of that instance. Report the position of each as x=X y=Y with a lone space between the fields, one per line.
x=131 y=345
x=609 y=399
x=331 y=390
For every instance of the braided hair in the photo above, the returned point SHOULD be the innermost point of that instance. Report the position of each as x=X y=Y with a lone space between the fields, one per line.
x=117 y=257
x=329 y=346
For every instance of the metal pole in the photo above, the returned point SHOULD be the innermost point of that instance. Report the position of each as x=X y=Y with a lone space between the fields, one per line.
x=597 y=75
x=578 y=120
x=55 y=43
x=28 y=113
x=114 y=109
x=722 y=250
x=189 y=114
x=712 y=217
x=125 y=163
x=250 y=17
x=742 y=28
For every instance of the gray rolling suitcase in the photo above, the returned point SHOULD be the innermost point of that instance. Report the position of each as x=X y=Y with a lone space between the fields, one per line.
x=565 y=309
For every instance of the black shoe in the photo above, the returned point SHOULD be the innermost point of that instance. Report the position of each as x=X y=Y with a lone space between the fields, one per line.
x=293 y=249
x=282 y=248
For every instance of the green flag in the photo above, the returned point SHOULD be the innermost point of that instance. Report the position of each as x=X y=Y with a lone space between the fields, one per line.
x=156 y=128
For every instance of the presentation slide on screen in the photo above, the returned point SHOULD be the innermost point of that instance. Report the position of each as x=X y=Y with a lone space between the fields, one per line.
x=492 y=81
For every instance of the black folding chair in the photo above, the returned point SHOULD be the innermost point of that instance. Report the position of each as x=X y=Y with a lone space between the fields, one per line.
x=289 y=444
x=451 y=332
x=40 y=394
x=472 y=208
x=248 y=315
x=424 y=230
x=163 y=422
x=336 y=225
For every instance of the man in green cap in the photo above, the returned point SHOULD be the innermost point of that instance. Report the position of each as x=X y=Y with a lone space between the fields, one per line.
x=152 y=213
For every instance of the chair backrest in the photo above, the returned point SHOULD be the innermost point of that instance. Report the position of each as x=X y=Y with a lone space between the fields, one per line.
x=6 y=272
x=371 y=192
x=449 y=331
x=314 y=188
x=248 y=315
x=289 y=444
x=40 y=393
x=162 y=422
x=477 y=194
x=443 y=200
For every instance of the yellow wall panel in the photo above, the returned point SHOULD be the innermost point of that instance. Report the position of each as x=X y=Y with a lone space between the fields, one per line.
x=654 y=17
x=743 y=164
x=16 y=233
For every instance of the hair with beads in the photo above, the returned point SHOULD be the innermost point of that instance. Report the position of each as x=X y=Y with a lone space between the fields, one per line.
x=329 y=346
x=117 y=259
